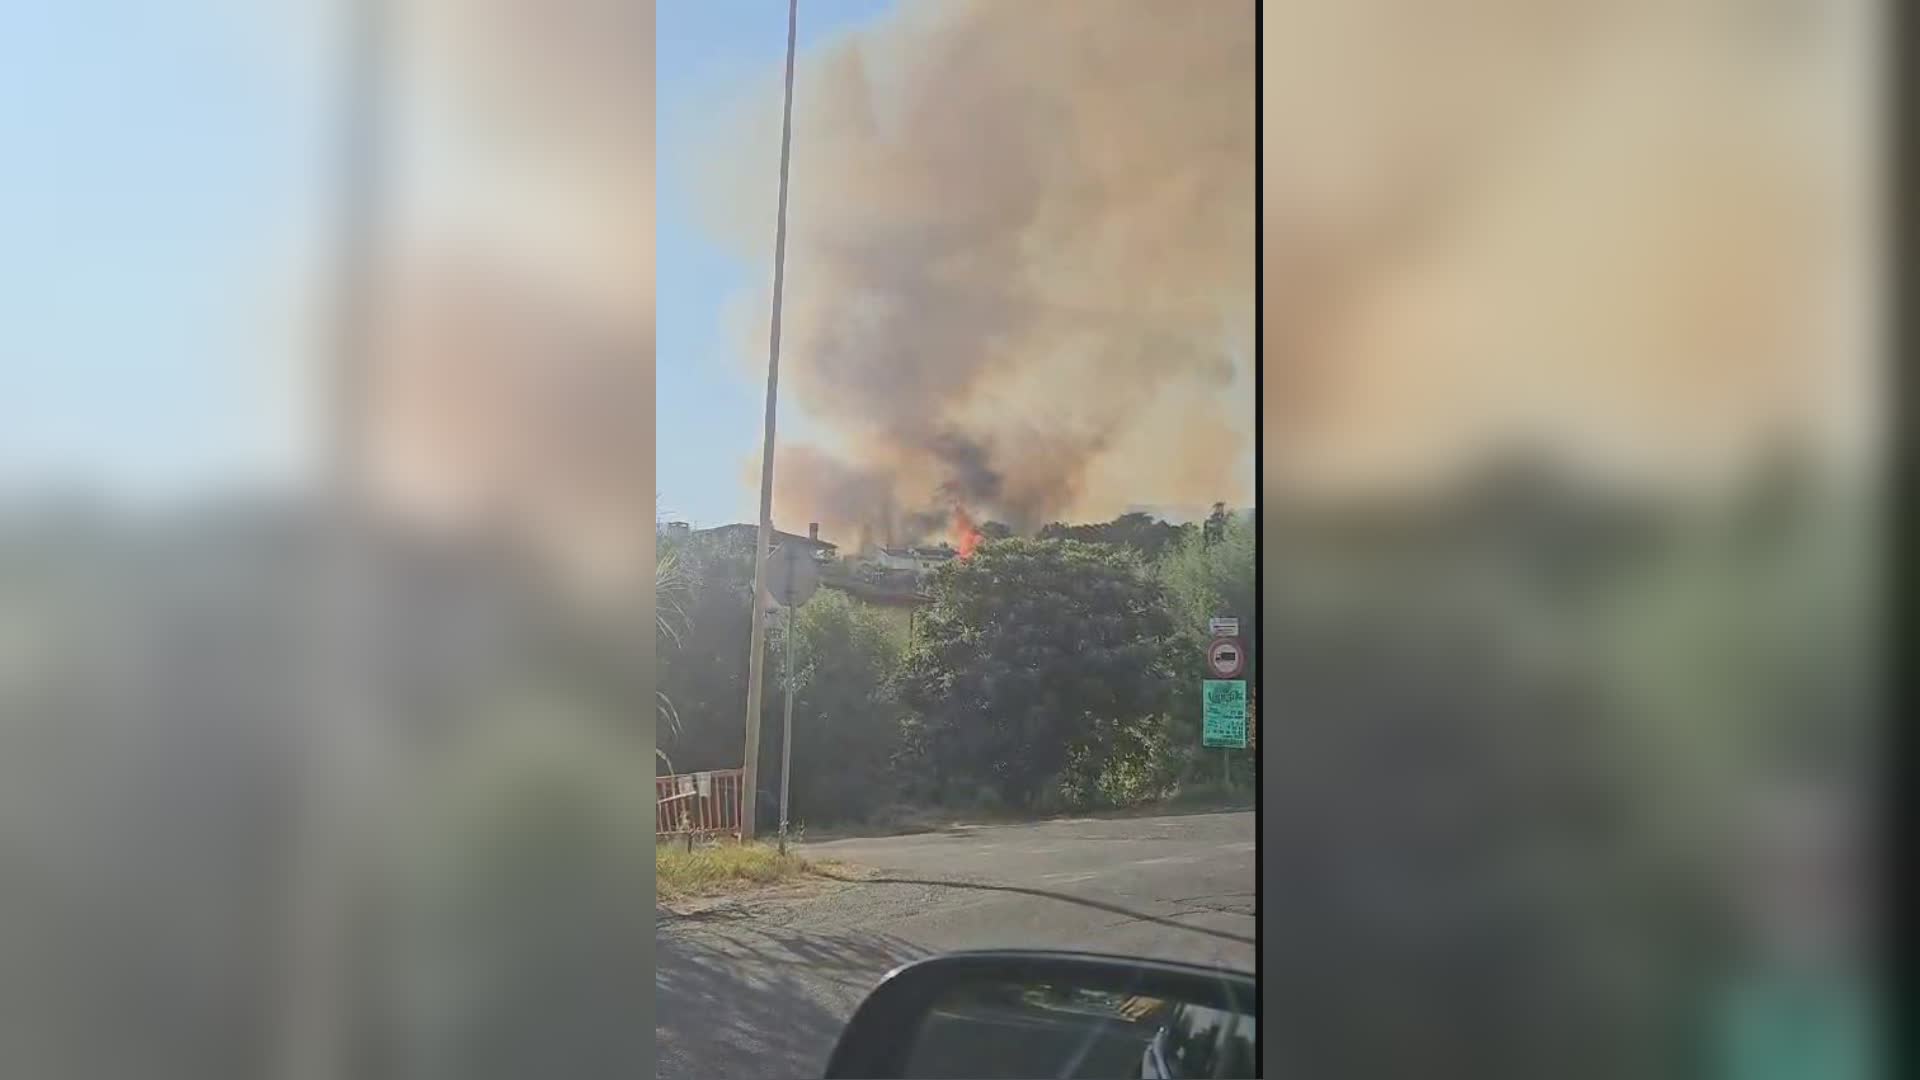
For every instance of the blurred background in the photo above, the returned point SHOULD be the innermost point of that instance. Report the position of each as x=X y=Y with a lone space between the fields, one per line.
x=1572 y=409
x=327 y=510
x=326 y=400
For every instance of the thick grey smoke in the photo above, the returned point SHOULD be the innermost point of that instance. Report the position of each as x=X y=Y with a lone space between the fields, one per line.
x=517 y=385
x=1020 y=265
x=1634 y=236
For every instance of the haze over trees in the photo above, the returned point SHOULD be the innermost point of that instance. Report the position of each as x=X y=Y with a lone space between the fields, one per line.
x=1045 y=672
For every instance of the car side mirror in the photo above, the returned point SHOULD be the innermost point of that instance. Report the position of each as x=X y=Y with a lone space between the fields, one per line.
x=1018 y=1014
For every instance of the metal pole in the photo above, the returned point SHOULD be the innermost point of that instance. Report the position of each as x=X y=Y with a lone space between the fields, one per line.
x=757 y=636
x=315 y=1025
x=786 y=729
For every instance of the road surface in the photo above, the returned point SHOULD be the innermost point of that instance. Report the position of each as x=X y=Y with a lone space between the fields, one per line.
x=761 y=988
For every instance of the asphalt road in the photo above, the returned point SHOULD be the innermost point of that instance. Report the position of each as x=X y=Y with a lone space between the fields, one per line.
x=761 y=988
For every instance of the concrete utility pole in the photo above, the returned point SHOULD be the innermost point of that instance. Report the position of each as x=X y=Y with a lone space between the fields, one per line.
x=757 y=638
x=339 y=725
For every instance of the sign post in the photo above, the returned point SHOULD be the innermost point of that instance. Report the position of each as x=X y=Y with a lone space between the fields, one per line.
x=1223 y=693
x=792 y=578
x=1224 y=715
x=1225 y=658
x=792 y=575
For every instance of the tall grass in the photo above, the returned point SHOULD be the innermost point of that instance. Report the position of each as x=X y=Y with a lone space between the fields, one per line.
x=721 y=868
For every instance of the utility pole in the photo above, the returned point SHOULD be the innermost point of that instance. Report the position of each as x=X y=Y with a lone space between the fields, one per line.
x=338 y=721
x=757 y=638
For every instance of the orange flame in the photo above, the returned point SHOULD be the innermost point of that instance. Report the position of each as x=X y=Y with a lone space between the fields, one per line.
x=965 y=537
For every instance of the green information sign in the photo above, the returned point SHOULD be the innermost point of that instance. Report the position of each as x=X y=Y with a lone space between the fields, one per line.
x=1224 y=721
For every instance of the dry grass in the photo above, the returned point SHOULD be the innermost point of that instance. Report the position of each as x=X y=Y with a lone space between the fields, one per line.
x=726 y=867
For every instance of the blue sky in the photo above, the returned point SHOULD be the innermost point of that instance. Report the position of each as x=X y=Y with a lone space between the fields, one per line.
x=165 y=173
x=157 y=159
x=709 y=403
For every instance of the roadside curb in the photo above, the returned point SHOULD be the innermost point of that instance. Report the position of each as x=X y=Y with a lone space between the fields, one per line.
x=961 y=828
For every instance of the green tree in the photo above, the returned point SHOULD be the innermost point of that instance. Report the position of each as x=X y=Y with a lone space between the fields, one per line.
x=1038 y=659
x=1459 y=824
x=519 y=900
x=1602 y=681
x=671 y=585
x=1206 y=576
x=1214 y=528
x=1143 y=534
x=846 y=719
x=702 y=668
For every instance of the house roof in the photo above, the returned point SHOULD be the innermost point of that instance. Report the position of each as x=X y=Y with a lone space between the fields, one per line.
x=744 y=529
x=881 y=593
x=919 y=553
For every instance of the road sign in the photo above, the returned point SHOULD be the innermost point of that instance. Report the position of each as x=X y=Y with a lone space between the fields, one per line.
x=1224 y=719
x=792 y=575
x=1226 y=659
x=1223 y=626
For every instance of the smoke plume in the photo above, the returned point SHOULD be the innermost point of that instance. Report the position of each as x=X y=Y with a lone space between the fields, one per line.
x=516 y=383
x=1020 y=270
x=1633 y=237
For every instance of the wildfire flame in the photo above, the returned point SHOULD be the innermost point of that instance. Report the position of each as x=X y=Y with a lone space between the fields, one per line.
x=962 y=533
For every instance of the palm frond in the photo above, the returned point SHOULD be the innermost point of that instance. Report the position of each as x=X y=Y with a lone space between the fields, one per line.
x=671 y=584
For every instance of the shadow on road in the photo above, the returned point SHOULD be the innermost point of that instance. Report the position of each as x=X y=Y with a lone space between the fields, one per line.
x=736 y=1000
x=1044 y=894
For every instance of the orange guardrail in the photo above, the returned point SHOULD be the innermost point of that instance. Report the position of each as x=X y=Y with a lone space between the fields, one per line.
x=698 y=804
